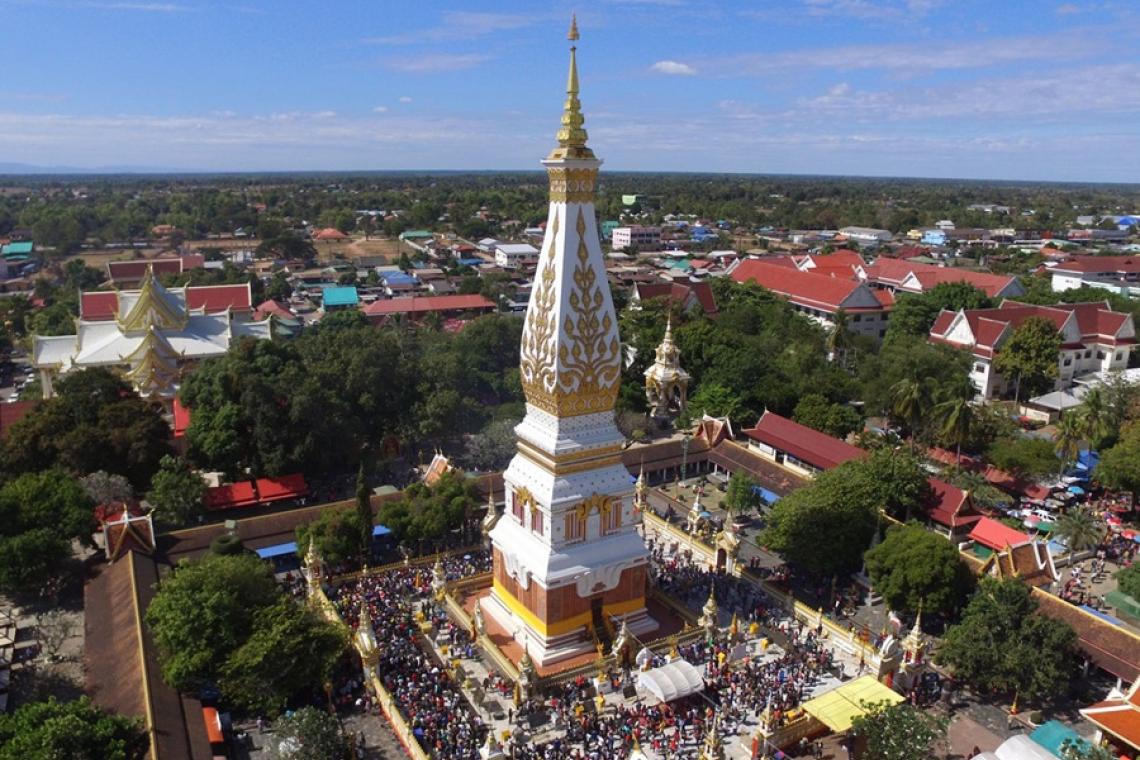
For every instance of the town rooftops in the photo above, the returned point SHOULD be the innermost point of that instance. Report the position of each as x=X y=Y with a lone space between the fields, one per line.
x=1118 y=715
x=808 y=445
x=814 y=291
x=426 y=304
x=917 y=277
x=1077 y=322
x=329 y=233
x=950 y=505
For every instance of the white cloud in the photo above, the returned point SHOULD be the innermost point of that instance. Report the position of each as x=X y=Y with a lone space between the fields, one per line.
x=143 y=7
x=673 y=68
x=1068 y=9
x=405 y=99
x=459 y=25
x=380 y=109
x=870 y=9
x=430 y=63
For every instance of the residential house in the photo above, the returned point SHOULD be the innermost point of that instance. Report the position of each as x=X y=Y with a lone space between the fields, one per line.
x=1093 y=339
x=644 y=238
x=339 y=298
x=515 y=255
x=450 y=306
x=820 y=297
x=1117 y=272
x=866 y=235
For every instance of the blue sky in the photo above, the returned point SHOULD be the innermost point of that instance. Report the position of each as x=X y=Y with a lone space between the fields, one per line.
x=1007 y=89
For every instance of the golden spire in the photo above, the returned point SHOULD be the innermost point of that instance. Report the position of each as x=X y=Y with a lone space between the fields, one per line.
x=572 y=135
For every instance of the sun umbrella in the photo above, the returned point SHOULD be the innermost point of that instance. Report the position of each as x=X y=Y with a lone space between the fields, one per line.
x=1129 y=534
x=1077 y=490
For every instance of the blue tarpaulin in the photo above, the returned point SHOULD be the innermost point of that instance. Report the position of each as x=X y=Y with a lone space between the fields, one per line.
x=380 y=530
x=277 y=550
x=765 y=494
x=1087 y=460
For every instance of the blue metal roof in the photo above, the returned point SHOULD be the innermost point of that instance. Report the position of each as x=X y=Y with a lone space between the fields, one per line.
x=277 y=550
x=344 y=295
x=400 y=278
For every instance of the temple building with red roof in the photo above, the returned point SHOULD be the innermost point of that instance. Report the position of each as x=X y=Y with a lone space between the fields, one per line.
x=1093 y=339
x=903 y=276
x=687 y=295
x=797 y=447
x=821 y=296
x=154 y=336
x=1119 y=272
x=1117 y=720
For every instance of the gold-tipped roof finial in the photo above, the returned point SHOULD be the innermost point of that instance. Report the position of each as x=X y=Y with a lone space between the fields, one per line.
x=572 y=135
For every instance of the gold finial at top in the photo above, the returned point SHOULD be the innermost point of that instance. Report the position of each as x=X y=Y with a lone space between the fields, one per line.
x=572 y=134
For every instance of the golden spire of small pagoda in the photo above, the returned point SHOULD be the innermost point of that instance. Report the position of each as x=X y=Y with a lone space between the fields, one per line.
x=572 y=135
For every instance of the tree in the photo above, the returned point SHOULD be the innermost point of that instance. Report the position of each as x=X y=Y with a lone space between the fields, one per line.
x=491 y=448
x=899 y=732
x=1082 y=749
x=95 y=422
x=176 y=492
x=338 y=535
x=1030 y=356
x=838 y=420
x=1128 y=581
x=715 y=400
x=1079 y=529
x=911 y=400
x=291 y=648
x=1002 y=644
x=909 y=358
x=1119 y=466
x=955 y=416
x=204 y=611
x=915 y=569
x=914 y=314
x=900 y=483
x=307 y=734
x=40 y=515
x=76 y=730
x=741 y=495
x=1067 y=444
x=1022 y=455
x=279 y=287
x=1098 y=421
x=364 y=511
x=106 y=488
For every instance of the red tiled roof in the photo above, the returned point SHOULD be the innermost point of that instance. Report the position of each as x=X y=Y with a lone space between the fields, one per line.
x=218 y=298
x=284 y=487
x=996 y=535
x=275 y=308
x=181 y=418
x=894 y=271
x=133 y=271
x=1100 y=265
x=329 y=233
x=99 y=305
x=13 y=412
x=885 y=297
x=808 y=445
x=425 y=304
x=678 y=292
x=240 y=494
x=950 y=505
x=193 y=261
x=813 y=290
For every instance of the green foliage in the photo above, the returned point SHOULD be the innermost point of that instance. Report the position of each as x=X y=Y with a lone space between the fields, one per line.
x=76 y=730
x=427 y=513
x=838 y=420
x=363 y=510
x=337 y=533
x=1002 y=645
x=226 y=545
x=56 y=319
x=1128 y=581
x=40 y=514
x=1085 y=750
x=95 y=422
x=915 y=568
x=1022 y=455
x=307 y=734
x=899 y=732
x=176 y=492
x=914 y=314
x=1029 y=356
x=1119 y=466
x=491 y=448
x=204 y=611
x=913 y=359
x=1079 y=529
x=291 y=648
x=900 y=482
x=740 y=496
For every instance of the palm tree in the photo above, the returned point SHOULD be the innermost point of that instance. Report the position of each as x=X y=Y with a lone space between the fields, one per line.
x=1067 y=444
x=1095 y=414
x=1079 y=529
x=955 y=416
x=910 y=401
x=837 y=338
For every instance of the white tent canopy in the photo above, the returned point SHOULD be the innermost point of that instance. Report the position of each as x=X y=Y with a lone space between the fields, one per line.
x=672 y=680
x=1019 y=747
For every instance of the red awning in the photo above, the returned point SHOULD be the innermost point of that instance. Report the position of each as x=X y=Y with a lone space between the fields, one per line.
x=278 y=489
x=181 y=419
x=996 y=535
x=230 y=496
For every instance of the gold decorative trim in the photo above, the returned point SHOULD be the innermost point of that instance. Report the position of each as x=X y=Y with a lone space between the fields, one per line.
x=573 y=185
x=594 y=501
x=566 y=469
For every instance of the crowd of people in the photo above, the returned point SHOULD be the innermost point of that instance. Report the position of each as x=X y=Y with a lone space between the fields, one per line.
x=426 y=695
